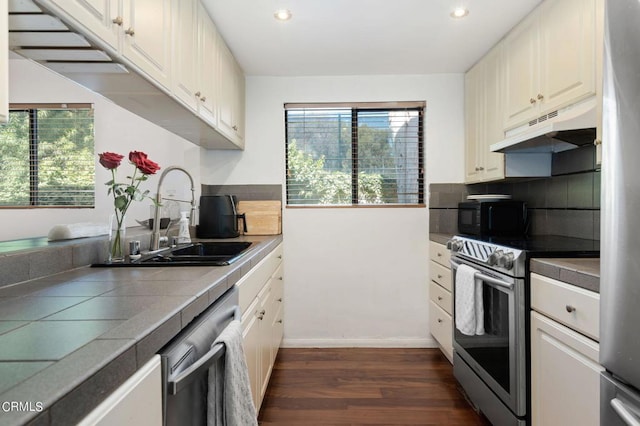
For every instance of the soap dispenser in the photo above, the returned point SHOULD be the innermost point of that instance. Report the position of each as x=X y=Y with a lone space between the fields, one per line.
x=183 y=234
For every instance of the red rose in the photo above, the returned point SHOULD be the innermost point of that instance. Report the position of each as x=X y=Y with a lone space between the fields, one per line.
x=140 y=160
x=110 y=160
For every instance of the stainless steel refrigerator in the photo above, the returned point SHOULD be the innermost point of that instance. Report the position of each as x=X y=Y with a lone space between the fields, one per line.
x=620 y=233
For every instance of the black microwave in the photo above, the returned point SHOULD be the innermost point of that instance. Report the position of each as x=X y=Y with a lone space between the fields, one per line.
x=492 y=218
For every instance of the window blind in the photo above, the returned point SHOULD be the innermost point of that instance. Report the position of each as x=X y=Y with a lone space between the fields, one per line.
x=363 y=154
x=47 y=156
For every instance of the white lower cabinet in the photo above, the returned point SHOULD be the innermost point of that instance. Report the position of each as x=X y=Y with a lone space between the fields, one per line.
x=138 y=401
x=440 y=295
x=261 y=301
x=565 y=374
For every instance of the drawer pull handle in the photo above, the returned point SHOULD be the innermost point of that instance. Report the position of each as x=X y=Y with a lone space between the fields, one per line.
x=439 y=320
x=439 y=298
x=570 y=308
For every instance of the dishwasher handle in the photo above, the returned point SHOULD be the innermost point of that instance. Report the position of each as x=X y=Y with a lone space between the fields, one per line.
x=201 y=365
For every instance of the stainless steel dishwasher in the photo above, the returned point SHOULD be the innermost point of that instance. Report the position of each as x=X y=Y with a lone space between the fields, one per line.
x=186 y=361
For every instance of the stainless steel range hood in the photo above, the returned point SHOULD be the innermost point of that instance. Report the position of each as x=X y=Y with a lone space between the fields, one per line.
x=556 y=132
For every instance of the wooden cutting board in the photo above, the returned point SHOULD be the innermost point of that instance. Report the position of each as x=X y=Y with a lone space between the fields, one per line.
x=263 y=217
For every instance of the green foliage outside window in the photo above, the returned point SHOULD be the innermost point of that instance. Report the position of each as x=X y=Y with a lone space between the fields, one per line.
x=47 y=158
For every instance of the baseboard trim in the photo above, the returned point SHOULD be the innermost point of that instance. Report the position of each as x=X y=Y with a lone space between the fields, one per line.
x=359 y=343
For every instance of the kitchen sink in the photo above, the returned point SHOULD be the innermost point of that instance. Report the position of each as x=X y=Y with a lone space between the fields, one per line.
x=209 y=253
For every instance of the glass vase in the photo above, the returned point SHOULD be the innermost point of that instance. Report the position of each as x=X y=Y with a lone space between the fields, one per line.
x=117 y=239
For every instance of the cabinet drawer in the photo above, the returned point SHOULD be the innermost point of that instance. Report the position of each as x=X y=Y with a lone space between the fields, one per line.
x=441 y=297
x=441 y=328
x=439 y=253
x=575 y=307
x=440 y=274
x=250 y=284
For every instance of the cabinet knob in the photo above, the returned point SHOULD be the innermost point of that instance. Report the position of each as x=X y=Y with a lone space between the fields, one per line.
x=117 y=20
x=280 y=321
x=439 y=254
x=130 y=32
x=203 y=99
x=439 y=298
x=198 y=94
x=439 y=276
x=597 y=142
x=235 y=128
x=570 y=308
x=540 y=97
x=532 y=101
x=279 y=256
x=480 y=168
x=439 y=320
x=280 y=299
x=280 y=278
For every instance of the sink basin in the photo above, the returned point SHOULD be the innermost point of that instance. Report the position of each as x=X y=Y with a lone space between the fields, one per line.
x=209 y=253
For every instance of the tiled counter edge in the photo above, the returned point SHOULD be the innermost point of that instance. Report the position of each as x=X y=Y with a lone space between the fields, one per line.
x=68 y=389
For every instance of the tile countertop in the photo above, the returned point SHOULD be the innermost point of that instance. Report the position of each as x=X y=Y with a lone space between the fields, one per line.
x=581 y=272
x=68 y=340
x=440 y=238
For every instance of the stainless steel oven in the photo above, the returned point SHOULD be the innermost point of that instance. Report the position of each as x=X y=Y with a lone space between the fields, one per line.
x=492 y=366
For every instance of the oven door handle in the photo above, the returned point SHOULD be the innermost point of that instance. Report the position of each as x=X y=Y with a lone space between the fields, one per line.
x=486 y=278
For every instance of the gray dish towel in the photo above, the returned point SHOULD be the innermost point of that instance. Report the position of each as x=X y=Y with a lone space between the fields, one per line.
x=236 y=403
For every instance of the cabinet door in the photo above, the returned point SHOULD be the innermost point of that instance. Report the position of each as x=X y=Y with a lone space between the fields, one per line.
x=207 y=67
x=492 y=162
x=521 y=64
x=567 y=52
x=565 y=375
x=251 y=346
x=4 y=62
x=147 y=40
x=231 y=89
x=122 y=407
x=441 y=326
x=266 y=315
x=473 y=122
x=100 y=17
x=185 y=74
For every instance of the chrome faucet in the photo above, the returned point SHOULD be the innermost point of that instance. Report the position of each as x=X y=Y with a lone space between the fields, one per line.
x=155 y=235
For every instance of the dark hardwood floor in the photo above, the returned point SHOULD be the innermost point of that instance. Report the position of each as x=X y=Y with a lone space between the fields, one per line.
x=364 y=386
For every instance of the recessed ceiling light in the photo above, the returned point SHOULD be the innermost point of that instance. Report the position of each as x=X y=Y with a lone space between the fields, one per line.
x=459 y=12
x=282 y=14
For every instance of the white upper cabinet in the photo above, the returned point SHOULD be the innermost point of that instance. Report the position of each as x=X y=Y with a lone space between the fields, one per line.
x=4 y=63
x=185 y=49
x=147 y=37
x=232 y=89
x=208 y=70
x=483 y=112
x=102 y=18
x=140 y=30
x=549 y=60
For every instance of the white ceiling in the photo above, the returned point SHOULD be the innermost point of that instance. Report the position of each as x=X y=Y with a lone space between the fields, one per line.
x=360 y=37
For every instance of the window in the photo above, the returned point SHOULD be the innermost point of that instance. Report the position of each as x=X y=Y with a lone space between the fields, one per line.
x=47 y=156
x=355 y=154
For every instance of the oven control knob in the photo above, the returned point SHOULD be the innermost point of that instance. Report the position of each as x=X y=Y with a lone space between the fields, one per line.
x=455 y=245
x=495 y=257
x=506 y=261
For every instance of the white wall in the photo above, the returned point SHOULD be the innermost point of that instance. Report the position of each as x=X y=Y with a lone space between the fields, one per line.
x=353 y=276
x=116 y=130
